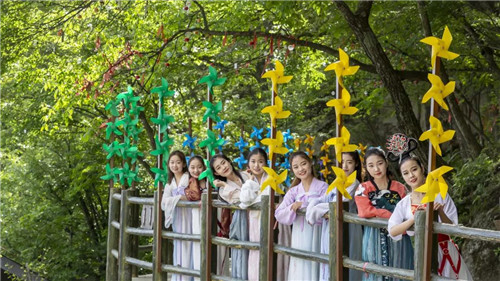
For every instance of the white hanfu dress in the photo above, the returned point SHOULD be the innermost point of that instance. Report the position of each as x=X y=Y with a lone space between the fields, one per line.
x=304 y=236
x=250 y=195
x=181 y=221
x=238 y=229
x=315 y=214
x=451 y=264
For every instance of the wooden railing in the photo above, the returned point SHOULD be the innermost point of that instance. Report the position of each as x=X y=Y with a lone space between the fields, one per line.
x=123 y=249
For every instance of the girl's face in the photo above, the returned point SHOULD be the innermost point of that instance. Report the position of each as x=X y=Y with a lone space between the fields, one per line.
x=301 y=168
x=256 y=162
x=376 y=166
x=175 y=165
x=222 y=167
x=348 y=164
x=413 y=173
x=195 y=168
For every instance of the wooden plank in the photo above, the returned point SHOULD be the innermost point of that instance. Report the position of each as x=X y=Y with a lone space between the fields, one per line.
x=112 y=243
x=158 y=274
x=264 y=238
x=378 y=269
x=142 y=200
x=236 y=244
x=139 y=231
x=468 y=232
x=418 y=273
x=306 y=255
x=204 y=267
x=115 y=224
x=332 y=262
x=117 y=196
x=373 y=222
x=180 y=270
x=124 y=247
x=139 y=263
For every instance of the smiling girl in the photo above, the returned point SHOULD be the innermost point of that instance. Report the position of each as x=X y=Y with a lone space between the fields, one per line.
x=304 y=188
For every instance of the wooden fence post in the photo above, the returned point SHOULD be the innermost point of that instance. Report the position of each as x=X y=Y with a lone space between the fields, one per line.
x=113 y=215
x=418 y=273
x=158 y=274
x=204 y=267
x=333 y=239
x=264 y=237
x=125 y=245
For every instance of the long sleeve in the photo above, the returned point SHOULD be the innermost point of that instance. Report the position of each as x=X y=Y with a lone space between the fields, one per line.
x=449 y=208
x=283 y=213
x=316 y=210
x=365 y=207
x=169 y=201
x=401 y=213
x=249 y=192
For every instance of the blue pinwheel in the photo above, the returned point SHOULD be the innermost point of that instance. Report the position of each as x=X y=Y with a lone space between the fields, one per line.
x=189 y=142
x=241 y=161
x=287 y=181
x=223 y=142
x=257 y=145
x=268 y=134
x=285 y=164
x=220 y=125
x=241 y=144
x=256 y=133
x=287 y=136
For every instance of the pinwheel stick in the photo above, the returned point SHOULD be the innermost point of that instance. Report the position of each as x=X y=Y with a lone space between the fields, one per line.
x=431 y=165
x=270 y=226
x=208 y=233
x=159 y=214
x=339 y=205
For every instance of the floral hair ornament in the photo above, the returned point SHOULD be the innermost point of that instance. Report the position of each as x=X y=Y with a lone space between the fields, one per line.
x=399 y=146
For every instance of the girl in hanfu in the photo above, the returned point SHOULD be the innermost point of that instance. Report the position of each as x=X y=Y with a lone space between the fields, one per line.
x=178 y=217
x=318 y=208
x=251 y=194
x=377 y=197
x=450 y=262
x=193 y=193
x=229 y=181
x=303 y=190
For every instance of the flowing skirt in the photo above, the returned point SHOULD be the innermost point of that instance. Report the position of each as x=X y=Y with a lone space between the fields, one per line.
x=182 y=249
x=239 y=257
x=304 y=237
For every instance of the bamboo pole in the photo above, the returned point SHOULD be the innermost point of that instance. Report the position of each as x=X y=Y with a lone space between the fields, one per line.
x=270 y=212
x=208 y=206
x=158 y=212
x=339 y=214
x=419 y=246
x=431 y=165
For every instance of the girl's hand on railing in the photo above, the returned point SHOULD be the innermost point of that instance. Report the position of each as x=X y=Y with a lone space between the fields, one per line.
x=295 y=206
x=219 y=183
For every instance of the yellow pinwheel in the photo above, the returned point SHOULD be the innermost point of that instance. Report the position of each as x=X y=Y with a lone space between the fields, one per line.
x=342 y=105
x=273 y=180
x=438 y=91
x=309 y=152
x=325 y=147
x=342 y=182
x=435 y=184
x=309 y=140
x=361 y=149
x=325 y=160
x=436 y=135
x=276 y=111
x=325 y=172
x=342 y=67
x=342 y=144
x=277 y=76
x=297 y=143
x=440 y=46
x=275 y=145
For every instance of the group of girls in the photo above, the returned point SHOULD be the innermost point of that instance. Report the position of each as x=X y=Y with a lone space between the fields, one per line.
x=379 y=196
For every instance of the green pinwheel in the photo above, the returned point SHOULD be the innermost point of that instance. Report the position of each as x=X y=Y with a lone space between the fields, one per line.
x=162 y=148
x=211 y=79
x=211 y=142
x=163 y=90
x=207 y=173
x=127 y=175
x=128 y=97
x=212 y=111
x=115 y=148
x=110 y=173
x=112 y=107
x=161 y=175
x=163 y=120
x=112 y=127
x=132 y=152
x=135 y=109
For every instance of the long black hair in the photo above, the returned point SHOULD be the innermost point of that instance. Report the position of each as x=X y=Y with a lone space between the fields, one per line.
x=358 y=167
x=182 y=156
x=303 y=155
x=199 y=158
x=257 y=151
x=377 y=151
x=220 y=155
